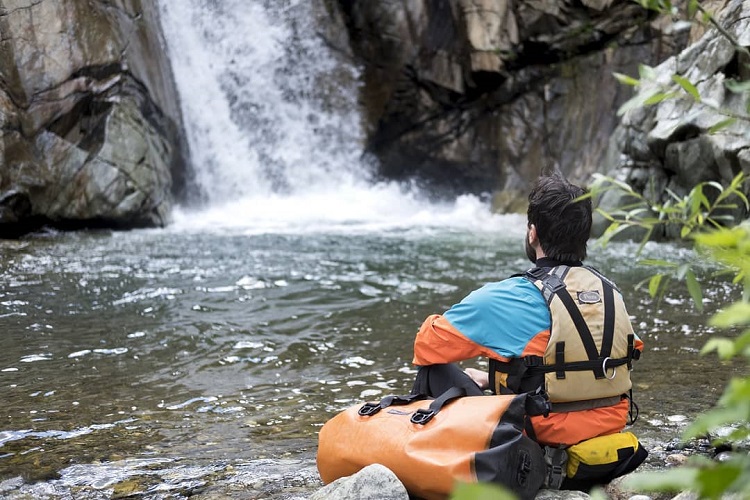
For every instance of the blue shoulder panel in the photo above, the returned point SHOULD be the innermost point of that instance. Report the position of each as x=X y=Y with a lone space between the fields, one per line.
x=503 y=316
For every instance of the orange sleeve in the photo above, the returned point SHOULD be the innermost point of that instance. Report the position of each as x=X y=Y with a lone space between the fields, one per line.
x=439 y=342
x=638 y=344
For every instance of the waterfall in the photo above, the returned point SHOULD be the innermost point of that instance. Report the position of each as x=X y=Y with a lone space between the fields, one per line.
x=273 y=123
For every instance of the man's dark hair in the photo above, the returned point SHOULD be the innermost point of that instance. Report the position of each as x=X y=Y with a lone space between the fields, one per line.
x=563 y=223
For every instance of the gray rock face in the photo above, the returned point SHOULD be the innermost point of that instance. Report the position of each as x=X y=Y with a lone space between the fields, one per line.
x=89 y=116
x=484 y=95
x=670 y=145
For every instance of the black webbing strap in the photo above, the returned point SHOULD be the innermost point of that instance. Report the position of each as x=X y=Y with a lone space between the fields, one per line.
x=588 y=404
x=583 y=330
x=608 y=334
x=559 y=360
x=580 y=366
x=631 y=350
x=633 y=411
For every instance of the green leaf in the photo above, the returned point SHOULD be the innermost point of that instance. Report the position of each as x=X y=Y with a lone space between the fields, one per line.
x=633 y=103
x=723 y=347
x=627 y=80
x=481 y=491
x=605 y=214
x=682 y=271
x=723 y=238
x=720 y=125
x=656 y=262
x=658 y=97
x=692 y=8
x=736 y=314
x=714 y=419
x=653 y=284
x=678 y=479
x=687 y=86
x=737 y=395
x=737 y=86
x=694 y=288
x=714 y=481
x=696 y=199
x=646 y=72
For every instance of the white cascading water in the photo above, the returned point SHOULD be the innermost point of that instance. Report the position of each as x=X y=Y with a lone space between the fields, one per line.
x=273 y=126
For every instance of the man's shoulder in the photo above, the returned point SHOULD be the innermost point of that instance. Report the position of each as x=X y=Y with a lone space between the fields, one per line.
x=510 y=288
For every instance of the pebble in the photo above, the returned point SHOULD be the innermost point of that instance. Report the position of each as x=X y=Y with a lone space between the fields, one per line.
x=676 y=459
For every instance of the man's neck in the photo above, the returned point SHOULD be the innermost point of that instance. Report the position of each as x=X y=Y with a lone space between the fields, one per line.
x=549 y=262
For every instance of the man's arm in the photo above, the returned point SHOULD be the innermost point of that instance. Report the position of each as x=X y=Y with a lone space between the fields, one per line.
x=439 y=342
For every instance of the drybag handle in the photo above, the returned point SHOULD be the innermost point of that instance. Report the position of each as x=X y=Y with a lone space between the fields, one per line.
x=368 y=409
x=424 y=415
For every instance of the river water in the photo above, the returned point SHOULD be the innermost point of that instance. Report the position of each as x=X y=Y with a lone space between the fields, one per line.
x=157 y=359
x=203 y=358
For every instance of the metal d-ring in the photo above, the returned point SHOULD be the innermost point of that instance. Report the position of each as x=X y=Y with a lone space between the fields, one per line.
x=604 y=369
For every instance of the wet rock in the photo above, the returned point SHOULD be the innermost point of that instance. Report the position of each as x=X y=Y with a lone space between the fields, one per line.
x=482 y=95
x=374 y=482
x=686 y=495
x=561 y=495
x=676 y=459
x=90 y=117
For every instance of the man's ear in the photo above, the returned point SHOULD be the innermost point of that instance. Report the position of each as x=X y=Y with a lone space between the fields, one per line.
x=532 y=236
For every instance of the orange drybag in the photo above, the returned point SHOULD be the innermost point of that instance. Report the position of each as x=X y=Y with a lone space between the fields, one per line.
x=432 y=444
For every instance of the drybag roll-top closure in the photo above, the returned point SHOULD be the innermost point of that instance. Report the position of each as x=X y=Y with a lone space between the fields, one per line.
x=591 y=339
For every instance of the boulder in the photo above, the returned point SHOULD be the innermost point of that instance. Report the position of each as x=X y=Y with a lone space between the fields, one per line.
x=89 y=113
x=374 y=482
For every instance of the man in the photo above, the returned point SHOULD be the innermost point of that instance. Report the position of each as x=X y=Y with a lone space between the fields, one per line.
x=561 y=327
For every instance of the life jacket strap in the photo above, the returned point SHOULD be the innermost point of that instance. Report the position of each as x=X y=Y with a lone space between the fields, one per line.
x=602 y=364
x=588 y=404
x=560 y=360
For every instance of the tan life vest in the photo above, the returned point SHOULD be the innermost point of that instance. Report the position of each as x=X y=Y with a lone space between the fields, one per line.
x=587 y=361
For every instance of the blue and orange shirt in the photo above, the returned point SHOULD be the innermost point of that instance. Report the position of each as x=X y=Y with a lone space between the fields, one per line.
x=504 y=320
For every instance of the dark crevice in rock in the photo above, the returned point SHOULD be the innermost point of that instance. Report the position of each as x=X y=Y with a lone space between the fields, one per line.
x=738 y=67
x=99 y=72
x=7 y=12
x=84 y=125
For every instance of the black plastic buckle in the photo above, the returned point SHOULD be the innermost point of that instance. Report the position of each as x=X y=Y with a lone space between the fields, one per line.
x=369 y=409
x=422 y=416
x=553 y=283
x=524 y=468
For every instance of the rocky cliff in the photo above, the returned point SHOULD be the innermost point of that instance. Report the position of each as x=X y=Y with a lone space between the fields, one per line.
x=89 y=116
x=675 y=144
x=483 y=95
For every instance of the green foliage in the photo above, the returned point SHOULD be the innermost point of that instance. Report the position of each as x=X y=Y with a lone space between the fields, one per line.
x=709 y=205
x=703 y=217
x=705 y=477
x=481 y=491
x=730 y=247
